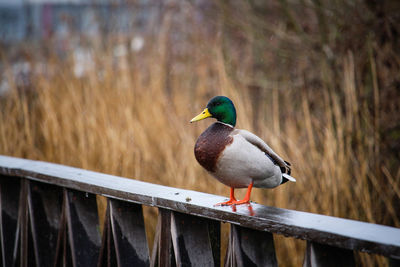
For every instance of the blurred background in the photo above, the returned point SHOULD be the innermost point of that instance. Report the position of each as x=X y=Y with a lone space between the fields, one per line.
x=111 y=86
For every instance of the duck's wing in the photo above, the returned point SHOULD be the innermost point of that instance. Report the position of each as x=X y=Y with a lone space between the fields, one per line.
x=258 y=142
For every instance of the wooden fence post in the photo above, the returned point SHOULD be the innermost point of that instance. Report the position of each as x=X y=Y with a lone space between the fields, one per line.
x=248 y=247
x=83 y=228
x=129 y=234
x=44 y=204
x=192 y=241
x=9 y=203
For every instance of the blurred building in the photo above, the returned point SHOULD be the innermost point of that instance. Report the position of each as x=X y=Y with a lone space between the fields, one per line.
x=77 y=29
x=72 y=28
x=41 y=19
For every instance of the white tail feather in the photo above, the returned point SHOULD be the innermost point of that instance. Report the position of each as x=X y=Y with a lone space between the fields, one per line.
x=290 y=178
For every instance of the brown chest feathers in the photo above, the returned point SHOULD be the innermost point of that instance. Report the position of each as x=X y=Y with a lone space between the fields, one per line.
x=211 y=143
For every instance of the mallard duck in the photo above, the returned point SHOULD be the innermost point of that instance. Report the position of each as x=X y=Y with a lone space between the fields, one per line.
x=235 y=157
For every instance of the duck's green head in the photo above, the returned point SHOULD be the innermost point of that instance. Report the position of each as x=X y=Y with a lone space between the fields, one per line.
x=220 y=108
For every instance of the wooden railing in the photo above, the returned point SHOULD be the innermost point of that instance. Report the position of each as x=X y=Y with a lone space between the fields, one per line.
x=49 y=217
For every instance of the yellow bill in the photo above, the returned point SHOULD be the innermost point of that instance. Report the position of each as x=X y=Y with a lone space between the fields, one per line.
x=202 y=115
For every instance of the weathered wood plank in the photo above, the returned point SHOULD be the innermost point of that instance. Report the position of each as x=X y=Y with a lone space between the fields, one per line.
x=83 y=228
x=162 y=251
x=248 y=247
x=23 y=225
x=214 y=232
x=156 y=243
x=319 y=255
x=191 y=241
x=165 y=251
x=45 y=203
x=63 y=249
x=9 y=203
x=24 y=249
x=129 y=234
x=332 y=231
x=107 y=257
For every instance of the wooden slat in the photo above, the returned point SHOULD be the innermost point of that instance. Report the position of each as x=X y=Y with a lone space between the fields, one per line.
x=129 y=234
x=9 y=203
x=83 y=228
x=23 y=254
x=248 y=247
x=165 y=251
x=191 y=241
x=62 y=238
x=162 y=252
x=214 y=231
x=63 y=249
x=332 y=231
x=107 y=257
x=26 y=254
x=319 y=255
x=27 y=249
x=23 y=227
x=156 y=243
x=45 y=203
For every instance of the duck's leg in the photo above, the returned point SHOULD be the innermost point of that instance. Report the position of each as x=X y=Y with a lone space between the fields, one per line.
x=246 y=199
x=231 y=200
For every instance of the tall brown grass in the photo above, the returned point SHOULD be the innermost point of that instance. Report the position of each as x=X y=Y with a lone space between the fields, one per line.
x=129 y=116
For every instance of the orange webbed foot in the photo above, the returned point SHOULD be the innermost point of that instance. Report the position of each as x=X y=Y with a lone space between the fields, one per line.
x=239 y=202
x=227 y=203
x=232 y=200
x=233 y=203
